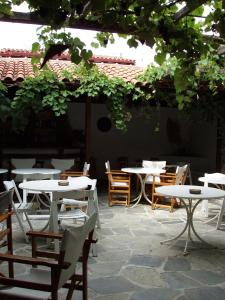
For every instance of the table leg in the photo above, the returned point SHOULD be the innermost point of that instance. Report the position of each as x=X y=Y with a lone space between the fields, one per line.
x=144 y=193
x=53 y=222
x=189 y=226
x=220 y=217
x=138 y=198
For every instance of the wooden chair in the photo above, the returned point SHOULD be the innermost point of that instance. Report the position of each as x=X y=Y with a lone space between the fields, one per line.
x=70 y=173
x=59 y=269
x=168 y=179
x=6 y=231
x=119 y=186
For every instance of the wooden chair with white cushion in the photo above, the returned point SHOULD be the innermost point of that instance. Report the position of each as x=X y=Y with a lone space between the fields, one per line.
x=168 y=179
x=119 y=186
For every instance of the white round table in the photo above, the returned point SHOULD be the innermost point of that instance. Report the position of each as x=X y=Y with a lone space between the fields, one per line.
x=46 y=186
x=34 y=174
x=183 y=193
x=218 y=180
x=2 y=171
x=143 y=171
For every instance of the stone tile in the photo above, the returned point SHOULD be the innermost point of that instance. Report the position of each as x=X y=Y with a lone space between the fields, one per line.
x=177 y=264
x=145 y=277
x=206 y=277
x=111 y=285
x=114 y=297
x=105 y=269
x=147 y=261
x=133 y=265
x=176 y=280
x=206 y=293
x=155 y=294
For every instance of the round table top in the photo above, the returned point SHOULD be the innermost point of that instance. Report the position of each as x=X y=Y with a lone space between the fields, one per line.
x=3 y=171
x=77 y=183
x=29 y=171
x=141 y=170
x=214 y=178
x=183 y=191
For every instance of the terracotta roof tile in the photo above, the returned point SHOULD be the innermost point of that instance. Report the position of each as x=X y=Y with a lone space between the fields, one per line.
x=65 y=56
x=16 y=69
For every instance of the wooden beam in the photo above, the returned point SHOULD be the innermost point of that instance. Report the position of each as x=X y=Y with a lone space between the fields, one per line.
x=34 y=18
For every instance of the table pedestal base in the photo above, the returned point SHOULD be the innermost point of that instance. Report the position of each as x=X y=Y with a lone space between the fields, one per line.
x=142 y=192
x=189 y=227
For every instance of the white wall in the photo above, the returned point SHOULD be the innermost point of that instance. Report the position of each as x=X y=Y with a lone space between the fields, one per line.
x=197 y=139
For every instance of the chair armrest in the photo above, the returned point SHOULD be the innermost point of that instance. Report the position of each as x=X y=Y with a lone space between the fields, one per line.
x=45 y=234
x=32 y=261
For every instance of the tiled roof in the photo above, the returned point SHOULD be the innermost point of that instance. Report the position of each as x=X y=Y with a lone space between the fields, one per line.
x=15 y=69
x=65 y=56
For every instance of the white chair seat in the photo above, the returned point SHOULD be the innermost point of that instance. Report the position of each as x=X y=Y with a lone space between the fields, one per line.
x=114 y=183
x=149 y=179
x=75 y=213
x=74 y=202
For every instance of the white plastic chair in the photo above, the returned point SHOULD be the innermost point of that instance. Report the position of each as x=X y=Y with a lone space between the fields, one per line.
x=153 y=164
x=21 y=163
x=62 y=164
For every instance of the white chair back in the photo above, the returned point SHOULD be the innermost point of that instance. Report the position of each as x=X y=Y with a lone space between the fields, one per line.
x=10 y=184
x=107 y=166
x=72 y=244
x=20 y=163
x=62 y=164
x=86 y=168
x=153 y=164
x=181 y=175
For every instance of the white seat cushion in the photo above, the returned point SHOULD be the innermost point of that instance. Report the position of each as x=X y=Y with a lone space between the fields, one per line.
x=119 y=184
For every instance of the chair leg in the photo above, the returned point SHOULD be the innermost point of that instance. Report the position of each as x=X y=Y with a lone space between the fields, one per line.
x=21 y=226
x=85 y=287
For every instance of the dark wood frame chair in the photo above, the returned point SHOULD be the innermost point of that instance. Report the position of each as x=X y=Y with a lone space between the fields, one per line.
x=55 y=262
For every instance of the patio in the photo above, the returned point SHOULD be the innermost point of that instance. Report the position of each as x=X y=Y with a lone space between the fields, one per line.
x=133 y=265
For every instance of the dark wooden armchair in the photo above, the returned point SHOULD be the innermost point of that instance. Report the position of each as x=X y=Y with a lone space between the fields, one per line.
x=59 y=268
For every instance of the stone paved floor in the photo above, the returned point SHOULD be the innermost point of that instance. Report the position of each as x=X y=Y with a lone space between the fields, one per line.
x=133 y=265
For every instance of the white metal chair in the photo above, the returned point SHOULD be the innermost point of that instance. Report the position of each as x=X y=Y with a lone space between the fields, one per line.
x=46 y=277
x=23 y=209
x=78 y=200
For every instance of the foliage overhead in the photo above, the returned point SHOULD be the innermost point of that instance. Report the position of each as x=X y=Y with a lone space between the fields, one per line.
x=187 y=36
x=176 y=27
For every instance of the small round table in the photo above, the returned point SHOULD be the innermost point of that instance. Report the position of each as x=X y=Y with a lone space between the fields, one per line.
x=143 y=171
x=33 y=174
x=52 y=186
x=183 y=193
